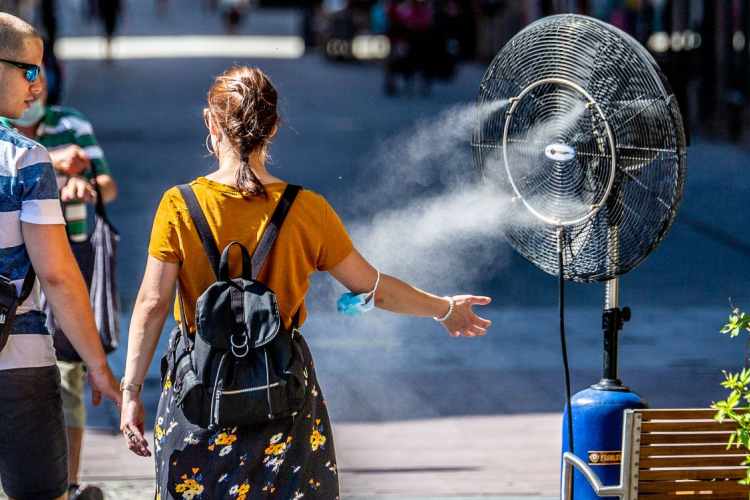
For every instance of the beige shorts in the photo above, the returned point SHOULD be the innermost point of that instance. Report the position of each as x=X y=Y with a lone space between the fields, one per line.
x=73 y=376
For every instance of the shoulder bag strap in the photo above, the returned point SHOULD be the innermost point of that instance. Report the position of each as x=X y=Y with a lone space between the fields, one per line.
x=272 y=229
x=99 y=201
x=99 y=206
x=201 y=224
x=28 y=284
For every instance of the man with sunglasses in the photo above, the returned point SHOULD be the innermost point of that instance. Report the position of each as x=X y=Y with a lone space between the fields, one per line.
x=33 y=447
x=77 y=159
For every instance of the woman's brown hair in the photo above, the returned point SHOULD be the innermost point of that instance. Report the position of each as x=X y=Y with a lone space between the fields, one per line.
x=242 y=101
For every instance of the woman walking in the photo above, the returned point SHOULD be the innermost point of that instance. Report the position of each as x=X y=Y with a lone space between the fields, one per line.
x=285 y=458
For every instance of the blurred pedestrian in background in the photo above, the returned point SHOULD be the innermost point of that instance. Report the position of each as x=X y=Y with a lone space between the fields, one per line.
x=110 y=12
x=76 y=158
x=33 y=462
x=409 y=22
x=53 y=75
x=233 y=12
x=288 y=458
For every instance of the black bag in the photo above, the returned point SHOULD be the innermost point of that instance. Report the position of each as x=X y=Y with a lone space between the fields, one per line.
x=10 y=300
x=97 y=260
x=243 y=367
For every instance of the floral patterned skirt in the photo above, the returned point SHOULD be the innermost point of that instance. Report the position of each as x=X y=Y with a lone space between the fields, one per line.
x=286 y=459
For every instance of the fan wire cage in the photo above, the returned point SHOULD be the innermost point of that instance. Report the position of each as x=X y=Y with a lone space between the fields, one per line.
x=579 y=128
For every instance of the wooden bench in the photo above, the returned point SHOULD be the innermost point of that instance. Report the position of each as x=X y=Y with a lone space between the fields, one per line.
x=670 y=455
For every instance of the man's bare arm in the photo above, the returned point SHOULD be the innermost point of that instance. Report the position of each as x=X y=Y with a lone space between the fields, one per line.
x=65 y=289
x=108 y=187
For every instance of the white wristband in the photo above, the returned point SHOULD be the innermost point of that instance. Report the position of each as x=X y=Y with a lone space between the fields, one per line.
x=450 y=310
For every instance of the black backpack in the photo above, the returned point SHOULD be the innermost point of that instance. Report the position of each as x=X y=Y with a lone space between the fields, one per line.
x=243 y=367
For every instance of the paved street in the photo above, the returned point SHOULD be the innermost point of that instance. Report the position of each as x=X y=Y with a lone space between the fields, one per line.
x=418 y=413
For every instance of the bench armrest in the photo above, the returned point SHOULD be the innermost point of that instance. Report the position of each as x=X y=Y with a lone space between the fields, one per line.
x=570 y=462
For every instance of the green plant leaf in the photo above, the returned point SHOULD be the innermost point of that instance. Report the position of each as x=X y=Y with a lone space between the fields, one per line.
x=744 y=437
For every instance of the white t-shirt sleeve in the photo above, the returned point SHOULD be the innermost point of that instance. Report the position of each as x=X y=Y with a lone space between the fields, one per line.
x=40 y=202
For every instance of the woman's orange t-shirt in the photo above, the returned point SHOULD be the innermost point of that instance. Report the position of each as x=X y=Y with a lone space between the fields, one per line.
x=311 y=238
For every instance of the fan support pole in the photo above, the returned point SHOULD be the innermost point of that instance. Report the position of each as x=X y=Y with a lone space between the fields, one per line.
x=613 y=320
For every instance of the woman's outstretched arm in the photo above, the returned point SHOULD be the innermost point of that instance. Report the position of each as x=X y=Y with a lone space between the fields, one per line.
x=355 y=273
x=150 y=312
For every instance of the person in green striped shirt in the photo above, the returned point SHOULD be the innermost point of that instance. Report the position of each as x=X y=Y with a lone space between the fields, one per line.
x=75 y=154
x=77 y=159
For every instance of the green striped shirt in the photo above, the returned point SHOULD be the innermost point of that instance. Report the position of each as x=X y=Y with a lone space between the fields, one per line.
x=60 y=128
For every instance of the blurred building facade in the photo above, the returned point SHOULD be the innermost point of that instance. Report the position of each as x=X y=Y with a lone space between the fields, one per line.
x=703 y=46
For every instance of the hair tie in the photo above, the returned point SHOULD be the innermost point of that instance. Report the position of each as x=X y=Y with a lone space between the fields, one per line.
x=244 y=159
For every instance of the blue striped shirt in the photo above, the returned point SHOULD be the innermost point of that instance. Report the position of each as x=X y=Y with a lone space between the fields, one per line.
x=28 y=193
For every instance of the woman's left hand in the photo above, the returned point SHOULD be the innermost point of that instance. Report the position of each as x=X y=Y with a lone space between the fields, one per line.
x=132 y=423
x=463 y=321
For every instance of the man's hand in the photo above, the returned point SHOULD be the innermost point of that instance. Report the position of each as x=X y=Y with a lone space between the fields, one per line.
x=103 y=383
x=71 y=160
x=78 y=189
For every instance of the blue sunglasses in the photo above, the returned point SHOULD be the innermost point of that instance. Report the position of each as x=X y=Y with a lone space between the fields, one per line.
x=32 y=70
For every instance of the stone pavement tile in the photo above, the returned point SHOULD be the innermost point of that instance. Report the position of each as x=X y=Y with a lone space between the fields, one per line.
x=344 y=402
x=467 y=456
x=395 y=394
x=107 y=458
x=452 y=398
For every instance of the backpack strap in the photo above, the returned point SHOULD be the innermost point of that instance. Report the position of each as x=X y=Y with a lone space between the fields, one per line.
x=272 y=229
x=201 y=224
x=183 y=320
x=295 y=318
x=28 y=284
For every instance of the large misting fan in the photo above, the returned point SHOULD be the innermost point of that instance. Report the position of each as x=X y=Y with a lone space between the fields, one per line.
x=579 y=127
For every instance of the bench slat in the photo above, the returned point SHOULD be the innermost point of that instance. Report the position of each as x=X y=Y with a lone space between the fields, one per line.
x=688 y=426
x=693 y=486
x=678 y=414
x=672 y=462
x=690 y=449
x=694 y=474
x=684 y=496
x=707 y=437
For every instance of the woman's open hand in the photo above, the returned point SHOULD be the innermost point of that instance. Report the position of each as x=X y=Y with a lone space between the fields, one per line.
x=132 y=423
x=463 y=321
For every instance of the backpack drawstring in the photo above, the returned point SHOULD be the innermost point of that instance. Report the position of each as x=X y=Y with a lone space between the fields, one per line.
x=214 y=415
x=268 y=385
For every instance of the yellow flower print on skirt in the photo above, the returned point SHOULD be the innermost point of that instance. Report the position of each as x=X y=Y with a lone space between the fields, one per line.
x=317 y=439
x=167 y=384
x=223 y=439
x=240 y=491
x=191 y=487
x=276 y=451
